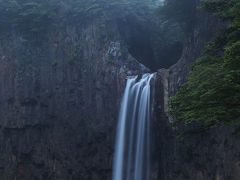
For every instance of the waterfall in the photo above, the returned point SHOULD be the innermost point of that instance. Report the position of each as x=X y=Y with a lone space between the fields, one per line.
x=132 y=149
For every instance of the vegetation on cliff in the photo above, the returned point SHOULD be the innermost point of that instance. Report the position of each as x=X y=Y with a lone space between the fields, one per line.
x=152 y=38
x=211 y=96
x=33 y=16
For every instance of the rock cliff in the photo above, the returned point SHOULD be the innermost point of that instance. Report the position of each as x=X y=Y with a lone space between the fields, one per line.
x=59 y=102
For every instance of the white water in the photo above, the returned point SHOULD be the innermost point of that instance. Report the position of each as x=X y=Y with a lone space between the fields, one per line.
x=132 y=150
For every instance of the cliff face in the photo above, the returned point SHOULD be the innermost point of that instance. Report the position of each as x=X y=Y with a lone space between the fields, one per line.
x=212 y=155
x=59 y=103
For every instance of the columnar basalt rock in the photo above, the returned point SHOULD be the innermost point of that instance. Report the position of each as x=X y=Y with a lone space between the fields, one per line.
x=59 y=103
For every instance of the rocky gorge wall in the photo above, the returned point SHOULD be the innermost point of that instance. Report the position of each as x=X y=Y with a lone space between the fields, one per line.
x=59 y=102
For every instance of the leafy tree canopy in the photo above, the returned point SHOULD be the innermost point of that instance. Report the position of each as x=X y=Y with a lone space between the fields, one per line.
x=211 y=96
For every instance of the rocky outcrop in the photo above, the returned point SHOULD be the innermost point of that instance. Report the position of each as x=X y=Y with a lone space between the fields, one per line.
x=213 y=155
x=59 y=102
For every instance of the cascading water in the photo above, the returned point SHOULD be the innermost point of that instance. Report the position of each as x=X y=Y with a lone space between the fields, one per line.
x=132 y=150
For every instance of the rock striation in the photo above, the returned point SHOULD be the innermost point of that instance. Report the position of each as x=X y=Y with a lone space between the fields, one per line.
x=59 y=103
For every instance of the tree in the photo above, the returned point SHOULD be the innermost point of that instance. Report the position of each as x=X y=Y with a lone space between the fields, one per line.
x=211 y=96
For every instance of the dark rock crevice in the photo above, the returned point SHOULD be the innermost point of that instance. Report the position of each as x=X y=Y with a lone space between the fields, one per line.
x=149 y=45
x=138 y=40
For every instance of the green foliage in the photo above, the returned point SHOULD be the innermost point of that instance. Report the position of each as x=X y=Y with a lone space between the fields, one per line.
x=220 y=8
x=74 y=55
x=26 y=16
x=112 y=61
x=211 y=96
x=36 y=16
x=54 y=63
x=33 y=19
